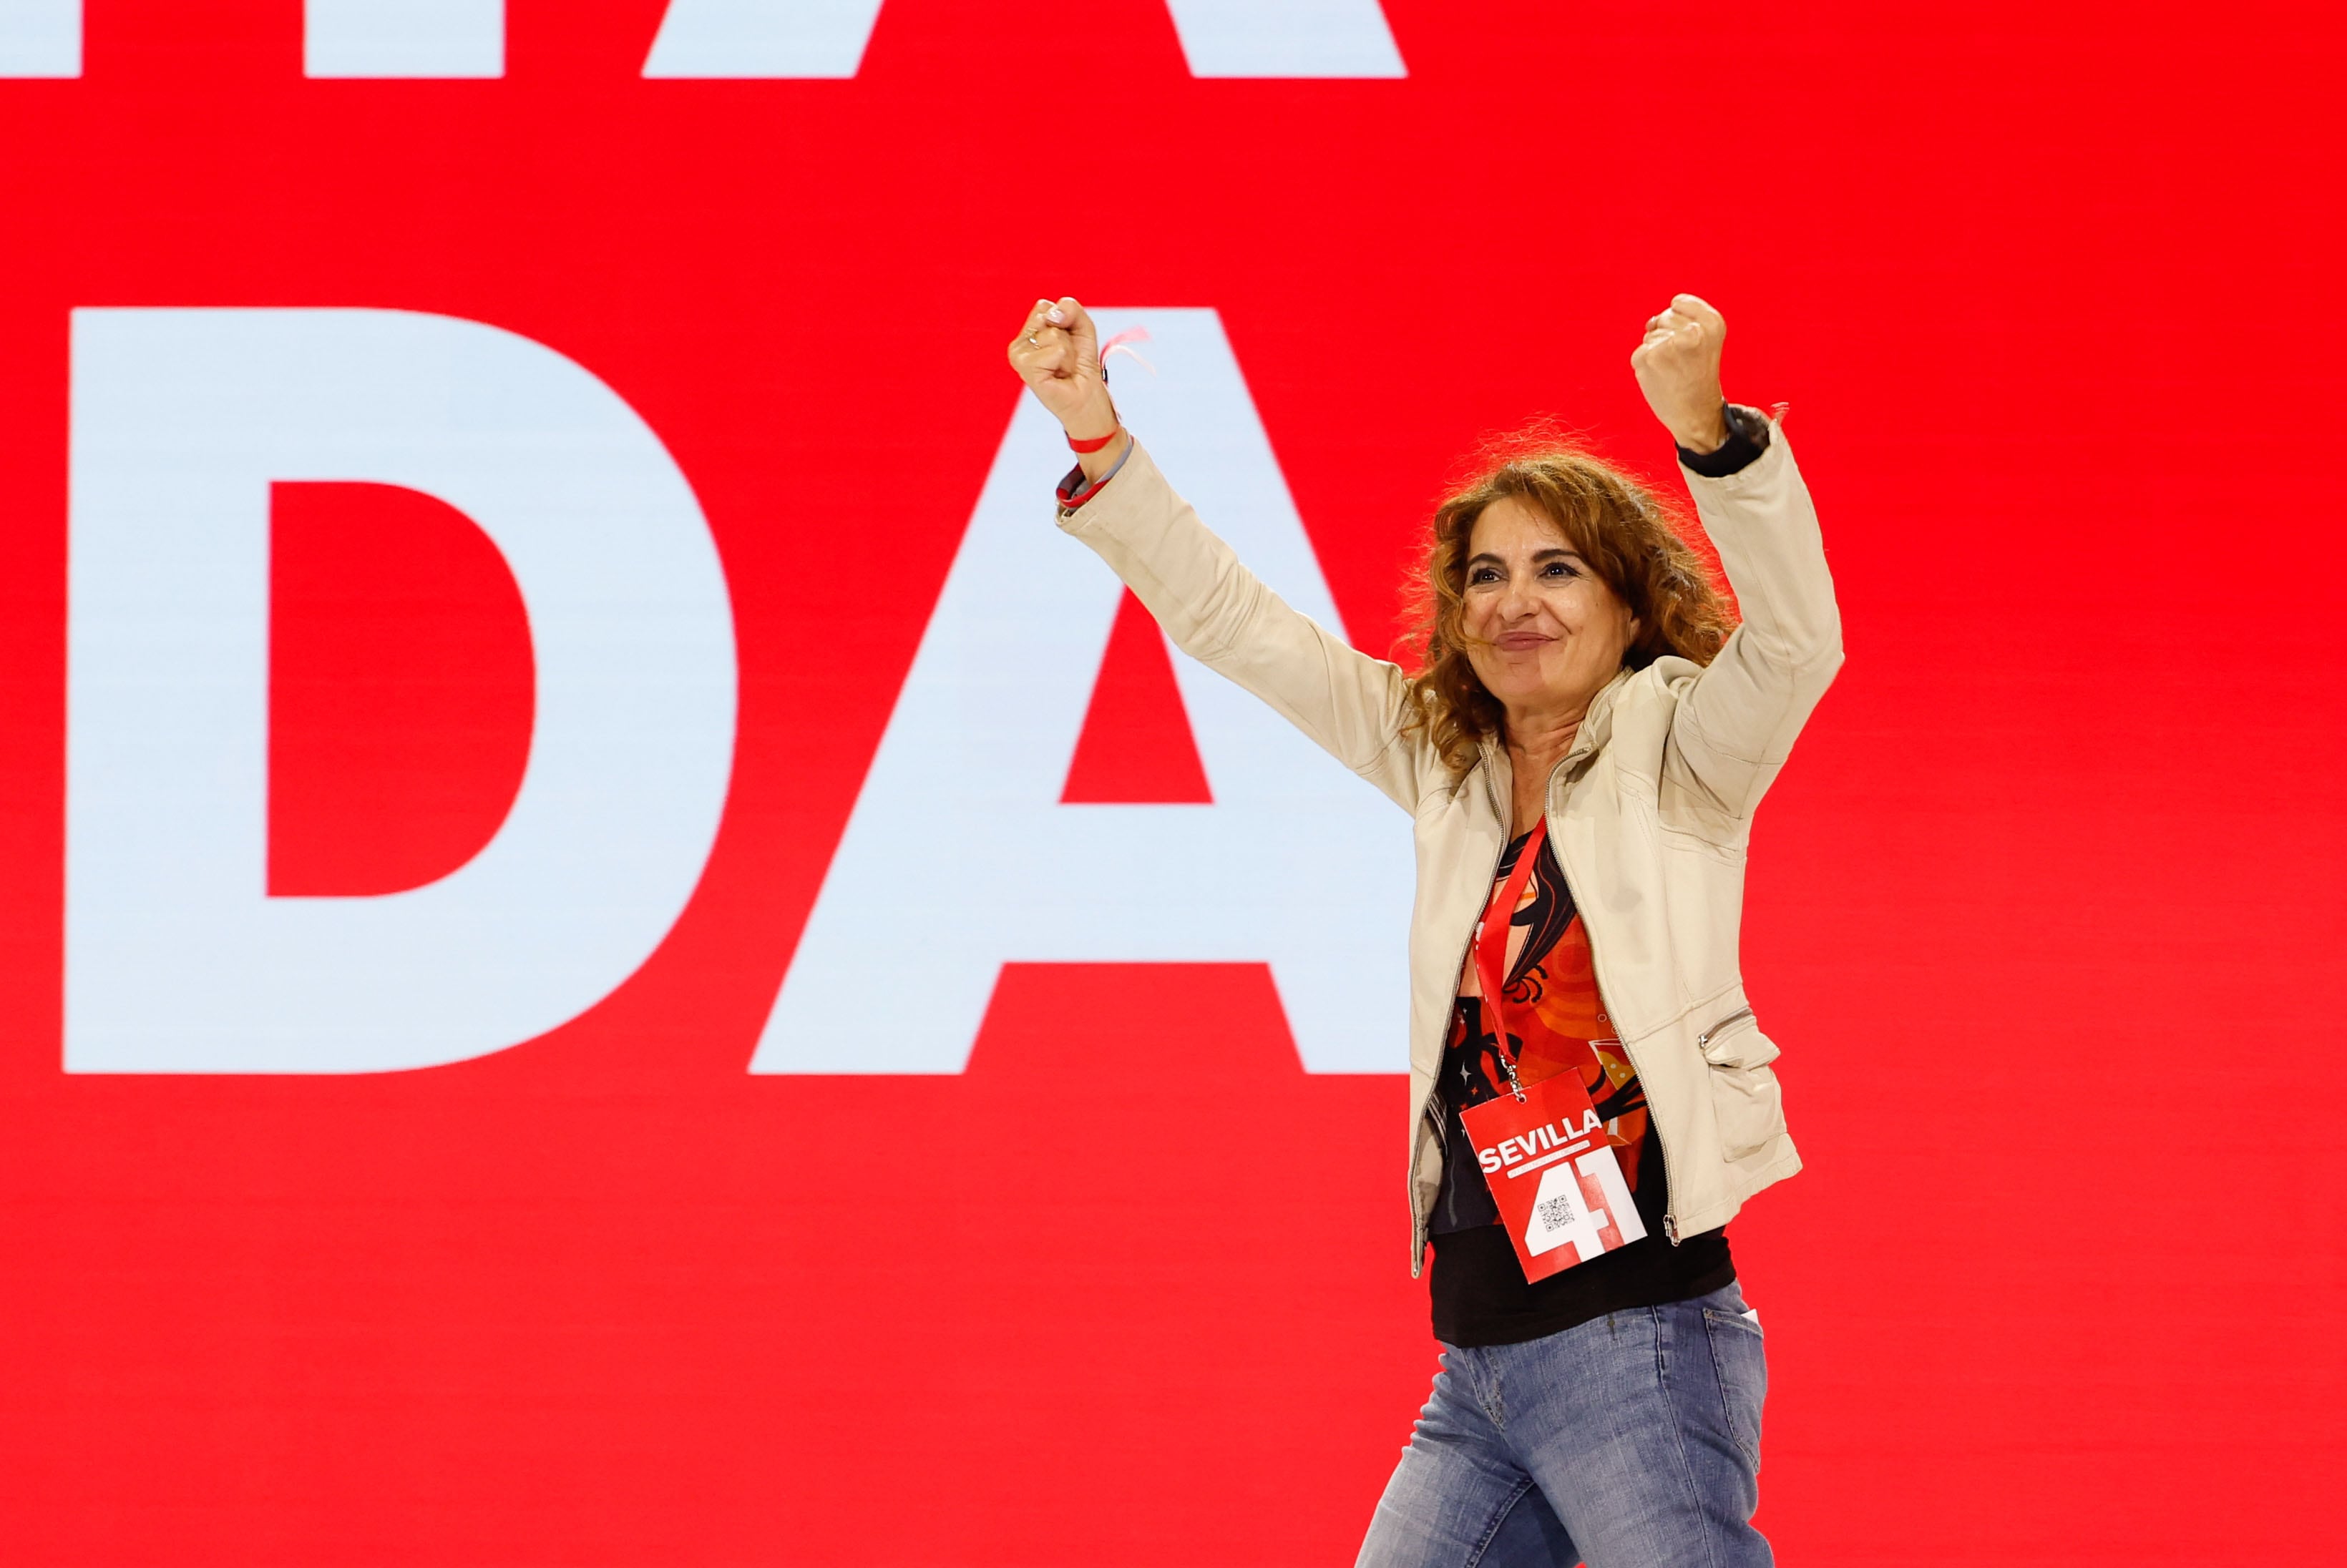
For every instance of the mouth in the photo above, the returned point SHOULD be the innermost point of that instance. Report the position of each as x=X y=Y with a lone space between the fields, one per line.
x=1521 y=642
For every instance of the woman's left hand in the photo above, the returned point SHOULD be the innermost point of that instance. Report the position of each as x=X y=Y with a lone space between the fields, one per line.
x=1677 y=366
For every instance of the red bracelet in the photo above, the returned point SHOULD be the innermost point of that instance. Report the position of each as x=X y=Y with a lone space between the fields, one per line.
x=1075 y=445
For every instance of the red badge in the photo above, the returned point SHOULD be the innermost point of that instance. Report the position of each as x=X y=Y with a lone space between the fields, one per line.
x=1552 y=1173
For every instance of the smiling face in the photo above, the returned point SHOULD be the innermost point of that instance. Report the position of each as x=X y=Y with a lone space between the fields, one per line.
x=1544 y=632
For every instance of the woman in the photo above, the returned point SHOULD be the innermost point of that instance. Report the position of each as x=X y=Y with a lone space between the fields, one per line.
x=1581 y=753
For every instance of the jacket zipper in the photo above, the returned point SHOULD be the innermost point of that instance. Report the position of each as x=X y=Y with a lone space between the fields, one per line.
x=1458 y=967
x=1597 y=966
x=1703 y=1039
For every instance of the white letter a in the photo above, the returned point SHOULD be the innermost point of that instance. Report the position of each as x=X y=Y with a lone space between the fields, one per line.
x=959 y=857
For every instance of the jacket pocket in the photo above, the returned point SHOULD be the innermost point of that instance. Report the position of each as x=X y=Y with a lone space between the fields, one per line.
x=1744 y=1098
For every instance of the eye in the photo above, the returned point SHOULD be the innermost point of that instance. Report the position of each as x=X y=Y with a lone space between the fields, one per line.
x=1559 y=569
x=1484 y=574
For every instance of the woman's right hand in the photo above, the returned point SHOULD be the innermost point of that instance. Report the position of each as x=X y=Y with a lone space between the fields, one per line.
x=1057 y=354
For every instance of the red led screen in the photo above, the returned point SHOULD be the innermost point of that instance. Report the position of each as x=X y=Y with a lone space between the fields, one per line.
x=2045 y=911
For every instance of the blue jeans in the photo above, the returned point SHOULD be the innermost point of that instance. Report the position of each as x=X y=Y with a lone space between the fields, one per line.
x=1630 y=1441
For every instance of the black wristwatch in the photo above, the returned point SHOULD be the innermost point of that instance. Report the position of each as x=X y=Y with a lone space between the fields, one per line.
x=1747 y=423
x=1748 y=432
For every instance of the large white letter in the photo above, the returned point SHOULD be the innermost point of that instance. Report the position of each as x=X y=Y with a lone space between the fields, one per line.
x=40 y=38
x=750 y=38
x=177 y=961
x=743 y=38
x=406 y=38
x=1286 y=39
x=958 y=857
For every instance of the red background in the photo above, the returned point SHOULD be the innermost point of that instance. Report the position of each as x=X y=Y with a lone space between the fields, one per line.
x=2046 y=912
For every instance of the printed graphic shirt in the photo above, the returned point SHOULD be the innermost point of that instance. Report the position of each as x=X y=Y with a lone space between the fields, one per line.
x=1557 y=1024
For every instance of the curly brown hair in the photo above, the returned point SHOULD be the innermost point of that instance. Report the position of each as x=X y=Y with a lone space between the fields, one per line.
x=1633 y=539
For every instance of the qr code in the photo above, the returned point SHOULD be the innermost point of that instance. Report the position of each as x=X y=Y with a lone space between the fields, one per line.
x=1558 y=1212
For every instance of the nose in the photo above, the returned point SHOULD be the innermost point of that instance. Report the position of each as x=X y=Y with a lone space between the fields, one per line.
x=1517 y=599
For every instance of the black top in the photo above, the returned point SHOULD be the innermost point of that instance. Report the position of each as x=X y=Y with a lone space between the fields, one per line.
x=1478 y=1287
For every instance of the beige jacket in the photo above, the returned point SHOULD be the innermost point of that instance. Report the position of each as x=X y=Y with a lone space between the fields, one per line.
x=1649 y=812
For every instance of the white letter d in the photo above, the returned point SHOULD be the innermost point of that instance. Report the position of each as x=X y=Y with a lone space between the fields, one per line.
x=177 y=959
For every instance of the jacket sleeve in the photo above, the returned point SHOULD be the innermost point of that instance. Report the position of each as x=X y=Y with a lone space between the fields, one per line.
x=1736 y=720
x=1350 y=704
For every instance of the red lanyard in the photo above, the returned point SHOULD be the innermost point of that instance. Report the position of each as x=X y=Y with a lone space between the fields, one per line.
x=1492 y=945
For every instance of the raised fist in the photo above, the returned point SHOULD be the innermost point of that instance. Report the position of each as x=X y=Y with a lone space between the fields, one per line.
x=1677 y=366
x=1057 y=354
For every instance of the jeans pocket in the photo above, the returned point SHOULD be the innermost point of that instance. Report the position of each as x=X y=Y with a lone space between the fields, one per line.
x=1739 y=1358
